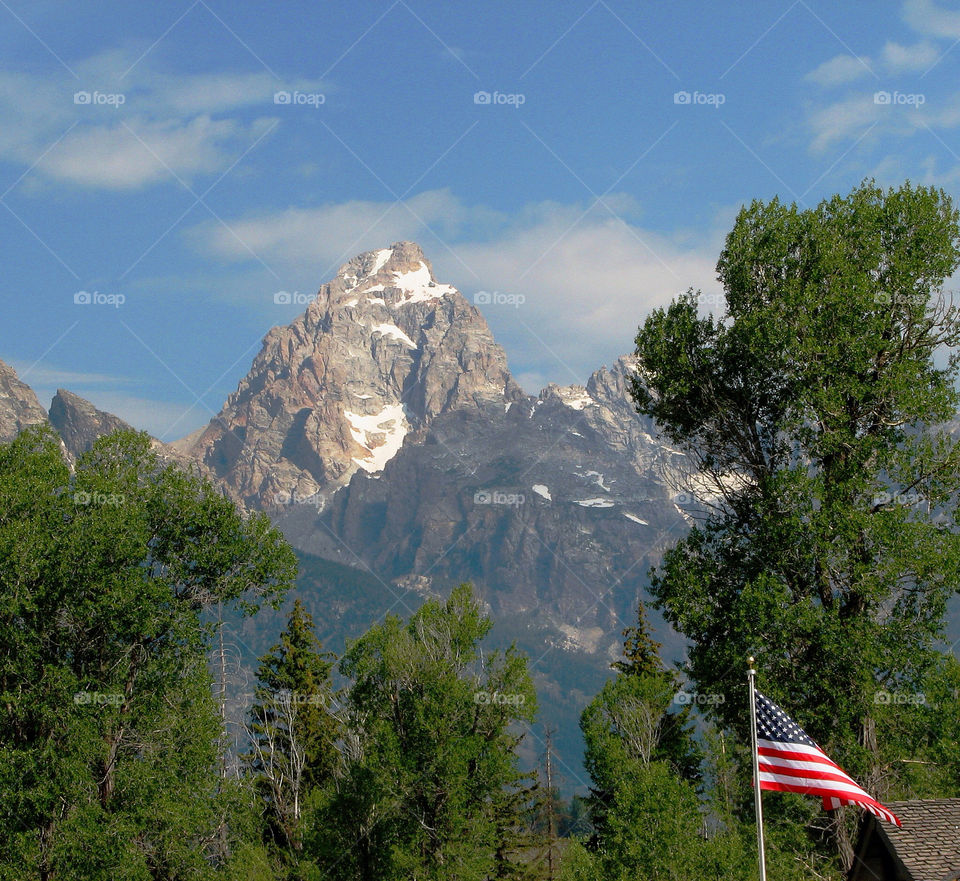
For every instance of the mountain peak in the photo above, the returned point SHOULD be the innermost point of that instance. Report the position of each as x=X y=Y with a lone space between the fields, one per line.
x=399 y=257
x=388 y=277
x=382 y=350
x=79 y=423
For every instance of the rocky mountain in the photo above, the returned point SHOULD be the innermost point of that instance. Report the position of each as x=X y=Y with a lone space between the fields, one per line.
x=79 y=423
x=554 y=506
x=381 y=351
x=383 y=431
x=19 y=406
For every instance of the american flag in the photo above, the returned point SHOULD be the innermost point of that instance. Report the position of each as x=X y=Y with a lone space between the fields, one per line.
x=791 y=762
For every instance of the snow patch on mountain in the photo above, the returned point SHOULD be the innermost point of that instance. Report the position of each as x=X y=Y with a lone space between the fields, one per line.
x=391 y=330
x=576 y=397
x=379 y=259
x=598 y=480
x=419 y=285
x=381 y=434
x=542 y=490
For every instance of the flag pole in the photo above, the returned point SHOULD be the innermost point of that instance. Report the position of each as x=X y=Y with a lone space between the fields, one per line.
x=757 y=802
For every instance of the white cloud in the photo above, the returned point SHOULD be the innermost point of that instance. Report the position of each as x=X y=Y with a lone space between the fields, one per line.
x=314 y=239
x=600 y=278
x=839 y=70
x=42 y=376
x=918 y=57
x=926 y=17
x=843 y=121
x=121 y=157
x=195 y=123
x=576 y=268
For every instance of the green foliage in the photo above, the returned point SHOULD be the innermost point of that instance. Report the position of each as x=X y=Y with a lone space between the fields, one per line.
x=811 y=409
x=109 y=734
x=644 y=809
x=641 y=652
x=293 y=730
x=428 y=786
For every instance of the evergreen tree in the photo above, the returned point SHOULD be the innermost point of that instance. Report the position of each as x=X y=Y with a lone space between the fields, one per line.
x=293 y=728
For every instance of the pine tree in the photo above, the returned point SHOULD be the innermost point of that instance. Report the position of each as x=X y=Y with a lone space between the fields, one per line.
x=641 y=652
x=293 y=728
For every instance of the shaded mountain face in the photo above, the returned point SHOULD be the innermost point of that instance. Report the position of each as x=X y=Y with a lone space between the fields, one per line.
x=79 y=423
x=381 y=351
x=553 y=506
x=19 y=406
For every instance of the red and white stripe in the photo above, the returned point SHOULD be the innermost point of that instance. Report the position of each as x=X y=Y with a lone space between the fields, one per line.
x=794 y=767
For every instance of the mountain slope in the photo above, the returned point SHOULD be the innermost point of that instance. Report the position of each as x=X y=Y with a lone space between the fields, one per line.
x=19 y=406
x=381 y=351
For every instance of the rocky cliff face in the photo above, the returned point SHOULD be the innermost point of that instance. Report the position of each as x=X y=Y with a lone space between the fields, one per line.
x=79 y=423
x=19 y=406
x=555 y=506
x=381 y=351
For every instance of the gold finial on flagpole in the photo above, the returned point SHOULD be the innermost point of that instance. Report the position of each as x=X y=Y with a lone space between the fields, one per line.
x=750 y=662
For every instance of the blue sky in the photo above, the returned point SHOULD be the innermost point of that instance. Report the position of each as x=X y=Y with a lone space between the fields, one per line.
x=588 y=187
